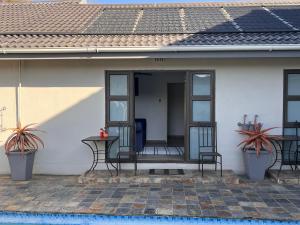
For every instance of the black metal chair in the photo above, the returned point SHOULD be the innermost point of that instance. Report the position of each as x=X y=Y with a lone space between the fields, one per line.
x=290 y=149
x=126 y=149
x=208 y=151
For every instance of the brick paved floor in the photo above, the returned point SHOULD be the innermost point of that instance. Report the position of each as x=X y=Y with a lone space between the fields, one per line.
x=64 y=194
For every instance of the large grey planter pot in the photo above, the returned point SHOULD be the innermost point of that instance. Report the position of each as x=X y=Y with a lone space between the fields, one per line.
x=256 y=165
x=21 y=165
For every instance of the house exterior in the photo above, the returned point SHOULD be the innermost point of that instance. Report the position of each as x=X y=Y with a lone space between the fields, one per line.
x=71 y=67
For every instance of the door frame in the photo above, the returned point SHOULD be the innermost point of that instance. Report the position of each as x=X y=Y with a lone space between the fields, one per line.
x=189 y=108
x=129 y=98
x=187 y=102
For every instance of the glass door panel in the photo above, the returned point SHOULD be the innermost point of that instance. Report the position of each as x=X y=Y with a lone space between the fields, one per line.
x=201 y=84
x=201 y=111
x=118 y=111
x=118 y=85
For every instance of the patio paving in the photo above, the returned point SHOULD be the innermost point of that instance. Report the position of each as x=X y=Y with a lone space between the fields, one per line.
x=64 y=194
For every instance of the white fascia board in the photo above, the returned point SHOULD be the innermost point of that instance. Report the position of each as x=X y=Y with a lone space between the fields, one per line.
x=204 y=48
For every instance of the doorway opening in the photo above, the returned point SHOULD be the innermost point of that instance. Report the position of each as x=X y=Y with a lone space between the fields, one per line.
x=159 y=102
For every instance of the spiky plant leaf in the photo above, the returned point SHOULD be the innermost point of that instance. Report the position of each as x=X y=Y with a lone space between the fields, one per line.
x=257 y=138
x=23 y=139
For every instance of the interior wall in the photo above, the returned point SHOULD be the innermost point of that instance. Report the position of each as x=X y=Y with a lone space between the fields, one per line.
x=152 y=101
x=175 y=115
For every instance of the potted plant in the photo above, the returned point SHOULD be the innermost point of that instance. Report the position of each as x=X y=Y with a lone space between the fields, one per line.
x=20 y=148
x=257 y=149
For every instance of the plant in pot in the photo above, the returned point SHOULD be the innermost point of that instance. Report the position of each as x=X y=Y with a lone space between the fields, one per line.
x=257 y=149
x=20 y=148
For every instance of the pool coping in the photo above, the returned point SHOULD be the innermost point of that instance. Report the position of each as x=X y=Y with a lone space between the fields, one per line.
x=88 y=218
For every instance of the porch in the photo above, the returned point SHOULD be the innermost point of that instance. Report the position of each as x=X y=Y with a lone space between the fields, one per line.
x=161 y=116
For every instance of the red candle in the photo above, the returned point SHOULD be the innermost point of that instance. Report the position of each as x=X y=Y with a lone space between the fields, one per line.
x=101 y=133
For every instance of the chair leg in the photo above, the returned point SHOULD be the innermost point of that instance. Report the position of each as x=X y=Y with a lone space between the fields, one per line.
x=119 y=170
x=199 y=161
x=221 y=166
x=216 y=162
x=202 y=166
x=279 y=171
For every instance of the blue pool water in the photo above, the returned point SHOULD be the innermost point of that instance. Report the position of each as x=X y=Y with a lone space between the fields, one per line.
x=10 y=218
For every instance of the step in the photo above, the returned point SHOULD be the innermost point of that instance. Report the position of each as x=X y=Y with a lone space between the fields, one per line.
x=143 y=176
x=285 y=176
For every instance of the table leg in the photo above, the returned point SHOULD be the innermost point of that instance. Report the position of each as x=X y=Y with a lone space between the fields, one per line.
x=97 y=155
x=94 y=156
x=275 y=145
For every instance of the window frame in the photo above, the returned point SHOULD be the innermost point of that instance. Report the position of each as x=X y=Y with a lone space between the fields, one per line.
x=210 y=97
x=287 y=98
x=109 y=98
x=189 y=107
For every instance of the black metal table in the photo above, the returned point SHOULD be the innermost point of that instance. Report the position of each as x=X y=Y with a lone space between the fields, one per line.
x=278 y=145
x=92 y=142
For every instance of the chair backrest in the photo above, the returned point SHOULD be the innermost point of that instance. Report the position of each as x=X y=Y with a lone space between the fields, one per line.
x=125 y=135
x=290 y=149
x=125 y=141
x=207 y=137
x=292 y=130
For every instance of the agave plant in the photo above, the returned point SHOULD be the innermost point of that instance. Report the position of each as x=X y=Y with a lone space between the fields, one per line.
x=23 y=139
x=257 y=138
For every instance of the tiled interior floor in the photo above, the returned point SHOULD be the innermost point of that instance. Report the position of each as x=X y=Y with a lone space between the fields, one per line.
x=64 y=194
x=163 y=151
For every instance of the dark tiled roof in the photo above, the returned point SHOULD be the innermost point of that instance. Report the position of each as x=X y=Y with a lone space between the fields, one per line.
x=152 y=40
x=49 y=25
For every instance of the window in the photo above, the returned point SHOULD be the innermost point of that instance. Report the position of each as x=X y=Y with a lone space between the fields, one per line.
x=291 y=97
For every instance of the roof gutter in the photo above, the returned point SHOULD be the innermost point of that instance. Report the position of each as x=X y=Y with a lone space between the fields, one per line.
x=204 y=48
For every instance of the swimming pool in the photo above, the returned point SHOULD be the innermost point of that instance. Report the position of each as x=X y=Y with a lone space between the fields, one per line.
x=11 y=218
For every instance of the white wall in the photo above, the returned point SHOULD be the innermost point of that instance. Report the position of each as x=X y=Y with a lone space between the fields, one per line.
x=66 y=99
x=153 y=101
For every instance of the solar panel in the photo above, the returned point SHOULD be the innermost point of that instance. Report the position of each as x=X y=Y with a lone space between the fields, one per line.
x=200 y=19
x=291 y=14
x=160 y=20
x=256 y=19
x=114 y=21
